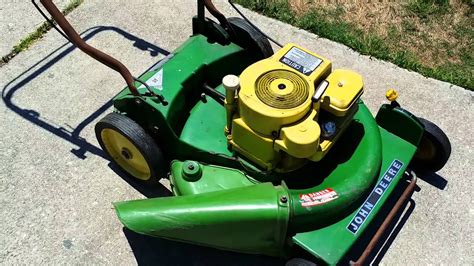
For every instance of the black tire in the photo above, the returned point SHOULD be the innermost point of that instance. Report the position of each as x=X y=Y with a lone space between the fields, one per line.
x=300 y=262
x=433 y=151
x=249 y=38
x=126 y=127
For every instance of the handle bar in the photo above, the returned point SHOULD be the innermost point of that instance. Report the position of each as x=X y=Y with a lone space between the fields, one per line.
x=102 y=57
x=86 y=48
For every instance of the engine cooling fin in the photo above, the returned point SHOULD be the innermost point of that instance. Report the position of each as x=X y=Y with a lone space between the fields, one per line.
x=282 y=89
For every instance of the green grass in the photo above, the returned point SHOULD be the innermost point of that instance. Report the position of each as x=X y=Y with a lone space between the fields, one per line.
x=425 y=8
x=38 y=33
x=330 y=25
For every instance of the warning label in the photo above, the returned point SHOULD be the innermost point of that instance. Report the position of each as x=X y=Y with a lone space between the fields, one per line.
x=318 y=198
x=301 y=61
x=155 y=81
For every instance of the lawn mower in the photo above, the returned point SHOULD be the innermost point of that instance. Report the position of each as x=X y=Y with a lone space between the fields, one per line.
x=266 y=153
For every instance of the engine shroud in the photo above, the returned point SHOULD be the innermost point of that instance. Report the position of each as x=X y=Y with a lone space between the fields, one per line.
x=275 y=122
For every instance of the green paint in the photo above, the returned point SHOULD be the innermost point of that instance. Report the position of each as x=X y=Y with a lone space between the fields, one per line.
x=332 y=242
x=207 y=119
x=191 y=171
x=401 y=123
x=221 y=200
x=249 y=219
x=350 y=170
x=192 y=129
x=214 y=178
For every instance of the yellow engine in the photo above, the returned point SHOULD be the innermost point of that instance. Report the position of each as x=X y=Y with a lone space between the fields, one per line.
x=289 y=108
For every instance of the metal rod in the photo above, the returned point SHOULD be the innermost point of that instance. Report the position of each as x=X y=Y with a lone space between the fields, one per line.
x=216 y=13
x=214 y=94
x=49 y=20
x=93 y=52
x=201 y=10
x=403 y=198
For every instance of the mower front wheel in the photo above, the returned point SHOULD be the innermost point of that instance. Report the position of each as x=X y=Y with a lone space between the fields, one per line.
x=433 y=151
x=130 y=147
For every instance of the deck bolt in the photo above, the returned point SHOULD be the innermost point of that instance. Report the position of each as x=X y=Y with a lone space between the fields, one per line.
x=190 y=167
x=283 y=199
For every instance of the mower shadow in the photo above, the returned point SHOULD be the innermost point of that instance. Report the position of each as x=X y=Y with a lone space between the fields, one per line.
x=68 y=133
x=149 y=191
x=435 y=180
x=402 y=218
x=147 y=250
x=155 y=251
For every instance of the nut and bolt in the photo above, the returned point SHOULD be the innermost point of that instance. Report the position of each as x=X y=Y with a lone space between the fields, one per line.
x=191 y=171
x=329 y=128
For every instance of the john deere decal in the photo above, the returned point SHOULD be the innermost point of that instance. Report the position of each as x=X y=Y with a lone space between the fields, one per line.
x=374 y=197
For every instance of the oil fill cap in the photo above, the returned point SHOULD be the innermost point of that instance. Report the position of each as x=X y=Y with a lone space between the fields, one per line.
x=192 y=171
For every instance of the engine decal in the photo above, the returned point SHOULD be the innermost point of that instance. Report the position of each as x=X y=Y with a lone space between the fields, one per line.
x=318 y=198
x=374 y=197
x=300 y=60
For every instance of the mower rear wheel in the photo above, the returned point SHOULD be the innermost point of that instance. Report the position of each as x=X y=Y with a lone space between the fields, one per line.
x=249 y=38
x=433 y=151
x=130 y=147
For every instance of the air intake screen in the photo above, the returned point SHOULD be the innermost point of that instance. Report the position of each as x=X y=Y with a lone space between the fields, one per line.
x=281 y=95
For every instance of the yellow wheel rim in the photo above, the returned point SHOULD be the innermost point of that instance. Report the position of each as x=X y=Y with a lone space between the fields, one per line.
x=125 y=154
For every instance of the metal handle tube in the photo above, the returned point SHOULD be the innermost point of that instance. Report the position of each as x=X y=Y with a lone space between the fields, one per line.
x=93 y=52
x=216 y=13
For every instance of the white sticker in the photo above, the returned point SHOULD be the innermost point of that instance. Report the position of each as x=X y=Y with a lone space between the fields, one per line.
x=301 y=60
x=318 y=198
x=155 y=81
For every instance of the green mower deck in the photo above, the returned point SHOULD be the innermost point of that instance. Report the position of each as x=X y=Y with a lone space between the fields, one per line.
x=174 y=122
x=250 y=214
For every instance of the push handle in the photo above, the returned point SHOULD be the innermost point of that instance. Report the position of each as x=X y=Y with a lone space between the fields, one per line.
x=216 y=13
x=91 y=51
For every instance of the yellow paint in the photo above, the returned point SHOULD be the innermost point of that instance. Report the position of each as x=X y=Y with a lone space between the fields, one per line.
x=327 y=143
x=300 y=140
x=391 y=95
x=125 y=154
x=265 y=76
x=345 y=87
x=253 y=145
x=275 y=122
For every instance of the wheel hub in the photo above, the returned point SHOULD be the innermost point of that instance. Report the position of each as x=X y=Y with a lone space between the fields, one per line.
x=126 y=153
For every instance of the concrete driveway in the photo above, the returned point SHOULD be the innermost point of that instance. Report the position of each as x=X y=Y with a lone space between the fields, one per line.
x=56 y=188
x=18 y=18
